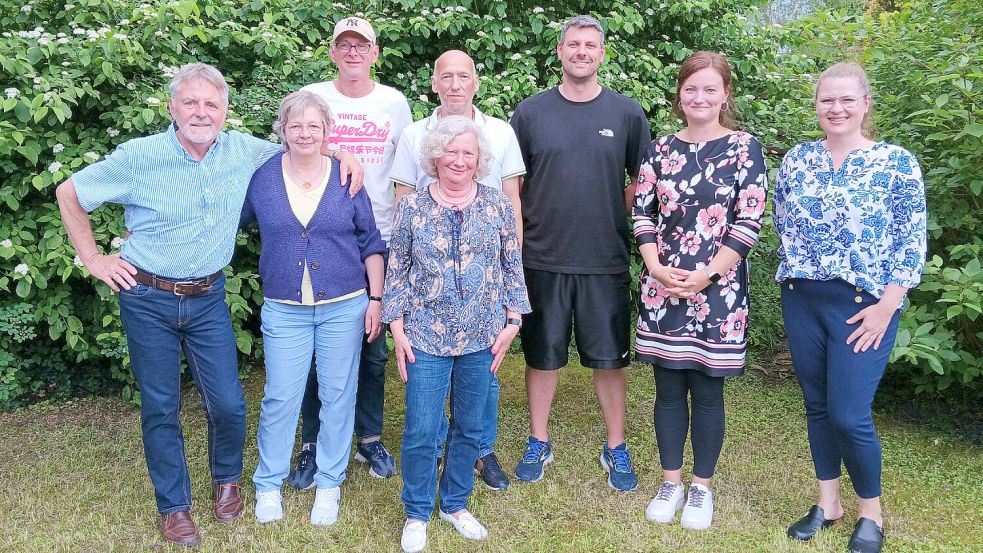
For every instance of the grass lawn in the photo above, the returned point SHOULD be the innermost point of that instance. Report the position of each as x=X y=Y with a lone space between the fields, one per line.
x=73 y=478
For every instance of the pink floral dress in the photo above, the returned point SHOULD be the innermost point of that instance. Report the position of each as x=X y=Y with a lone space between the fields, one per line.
x=691 y=200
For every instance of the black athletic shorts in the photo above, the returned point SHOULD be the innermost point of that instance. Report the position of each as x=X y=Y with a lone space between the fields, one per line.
x=596 y=306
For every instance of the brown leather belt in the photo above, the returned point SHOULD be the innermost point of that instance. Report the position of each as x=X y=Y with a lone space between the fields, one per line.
x=182 y=288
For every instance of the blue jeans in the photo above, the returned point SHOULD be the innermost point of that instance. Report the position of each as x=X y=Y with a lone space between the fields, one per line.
x=368 y=400
x=291 y=335
x=838 y=385
x=468 y=378
x=489 y=421
x=159 y=325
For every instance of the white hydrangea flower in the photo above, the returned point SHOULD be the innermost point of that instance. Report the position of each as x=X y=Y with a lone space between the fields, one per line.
x=63 y=40
x=121 y=36
x=460 y=9
x=92 y=155
x=11 y=92
x=423 y=98
x=7 y=243
x=78 y=31
x=425 y=11
x=506 y=29
x=482 y=34
x=22 y=269
x=69 y=6
x=124 y=21
x=117 y=243
x=537 y=9
x=26 y=8
x=153 y=101
x=44 y=41
x=113 y=133
x=234 y=122
x=506 y=88
x=437 y=10
x=274 y=138
x=131 y=86
x=54 y=167
x=78 y=262
x=58 y=148
x=516 y=57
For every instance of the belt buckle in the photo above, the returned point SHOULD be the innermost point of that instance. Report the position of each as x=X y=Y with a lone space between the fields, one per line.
x=188 y=283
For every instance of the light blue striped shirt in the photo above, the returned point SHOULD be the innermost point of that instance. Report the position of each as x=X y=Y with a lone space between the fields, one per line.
x=183 y=213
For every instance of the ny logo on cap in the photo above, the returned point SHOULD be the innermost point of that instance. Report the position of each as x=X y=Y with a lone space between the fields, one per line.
x=353 y=22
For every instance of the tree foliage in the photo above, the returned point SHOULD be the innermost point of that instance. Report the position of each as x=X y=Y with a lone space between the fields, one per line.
x=79 y=78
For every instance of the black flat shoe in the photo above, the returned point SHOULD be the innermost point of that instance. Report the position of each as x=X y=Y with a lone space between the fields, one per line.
x=867 y=537
x=806 y=527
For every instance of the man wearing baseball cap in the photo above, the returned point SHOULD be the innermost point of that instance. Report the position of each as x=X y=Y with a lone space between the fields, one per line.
x=369 y=118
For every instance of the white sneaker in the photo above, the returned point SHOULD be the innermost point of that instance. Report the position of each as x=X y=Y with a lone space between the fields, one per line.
x=698 y=512
x=325 y=511
x=466 y=525
x=269 y=506
x=414 y=537
x=667 y=501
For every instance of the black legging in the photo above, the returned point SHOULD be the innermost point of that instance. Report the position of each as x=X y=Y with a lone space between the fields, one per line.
x=672 y=390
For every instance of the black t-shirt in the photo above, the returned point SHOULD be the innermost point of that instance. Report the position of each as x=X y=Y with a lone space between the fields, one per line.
x=577 y=155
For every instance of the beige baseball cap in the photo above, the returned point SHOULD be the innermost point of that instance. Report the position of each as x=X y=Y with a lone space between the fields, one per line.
x=355 y=25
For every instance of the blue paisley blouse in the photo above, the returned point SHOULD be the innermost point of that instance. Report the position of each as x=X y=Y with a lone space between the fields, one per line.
x=864 y=223
x=452 y=273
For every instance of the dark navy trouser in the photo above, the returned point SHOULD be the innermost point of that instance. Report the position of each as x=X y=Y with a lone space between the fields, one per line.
x=838 y=385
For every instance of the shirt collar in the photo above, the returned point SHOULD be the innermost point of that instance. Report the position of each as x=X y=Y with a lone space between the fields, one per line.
x=479 y=118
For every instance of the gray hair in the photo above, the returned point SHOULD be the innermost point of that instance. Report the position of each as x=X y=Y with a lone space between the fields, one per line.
x=852 y=70
x=298 y=102
x=447 y=129
x=202 y=71
x=582 y=22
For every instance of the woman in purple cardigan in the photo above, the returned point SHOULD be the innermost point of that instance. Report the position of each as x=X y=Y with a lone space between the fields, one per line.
x=321 y=251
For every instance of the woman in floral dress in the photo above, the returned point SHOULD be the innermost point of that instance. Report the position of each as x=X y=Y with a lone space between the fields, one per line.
x=697 y=212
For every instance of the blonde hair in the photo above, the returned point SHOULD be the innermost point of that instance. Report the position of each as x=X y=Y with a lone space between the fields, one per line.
x=851 y=70
x=296 y=103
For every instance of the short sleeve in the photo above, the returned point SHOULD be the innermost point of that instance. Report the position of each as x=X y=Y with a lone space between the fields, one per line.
x=405 y=168
x=108 y=181
x=512 y=164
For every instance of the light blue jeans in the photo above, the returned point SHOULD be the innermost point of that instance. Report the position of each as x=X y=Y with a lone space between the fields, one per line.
x=467 y=378
x=291 y=335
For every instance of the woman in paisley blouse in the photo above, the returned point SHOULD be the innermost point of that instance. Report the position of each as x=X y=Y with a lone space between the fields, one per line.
x=454 y=296
x=697 y=211
x=850 y=213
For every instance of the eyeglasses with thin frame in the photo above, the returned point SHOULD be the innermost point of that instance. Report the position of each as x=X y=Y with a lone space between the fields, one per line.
x=297 y=128
x=847 y=102
x=360 y=47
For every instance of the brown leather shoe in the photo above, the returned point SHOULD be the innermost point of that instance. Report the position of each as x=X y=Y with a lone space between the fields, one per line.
x=180 y=529
x=228 y=504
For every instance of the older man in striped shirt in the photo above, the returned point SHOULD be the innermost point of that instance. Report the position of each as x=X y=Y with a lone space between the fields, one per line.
x=182 y=191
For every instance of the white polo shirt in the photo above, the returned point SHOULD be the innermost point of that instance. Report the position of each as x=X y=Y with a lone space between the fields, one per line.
x=507 y=159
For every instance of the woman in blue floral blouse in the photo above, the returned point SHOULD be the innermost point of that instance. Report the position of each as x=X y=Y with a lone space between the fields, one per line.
x=850 y=213
x=454 y=297
x=697 y=211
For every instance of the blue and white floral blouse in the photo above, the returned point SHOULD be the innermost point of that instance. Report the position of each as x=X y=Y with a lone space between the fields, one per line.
x=452 y=273
x=864 y=223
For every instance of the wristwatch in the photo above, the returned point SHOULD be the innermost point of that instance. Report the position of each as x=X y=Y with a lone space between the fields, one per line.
x=516 y=322
x=712 y=275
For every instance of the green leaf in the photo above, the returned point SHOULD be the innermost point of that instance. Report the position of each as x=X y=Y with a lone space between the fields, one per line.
x=23 y=288
x=23 y=112
x=148 y=115
x=975 y=129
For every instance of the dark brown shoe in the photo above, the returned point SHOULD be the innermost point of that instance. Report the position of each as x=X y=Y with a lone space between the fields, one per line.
x=180 y=529
x=228 y=504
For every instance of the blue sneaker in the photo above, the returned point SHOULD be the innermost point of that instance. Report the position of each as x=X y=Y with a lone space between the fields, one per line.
x=302 y=477
x=617 y=463
x=538 y=454
x=381 y=463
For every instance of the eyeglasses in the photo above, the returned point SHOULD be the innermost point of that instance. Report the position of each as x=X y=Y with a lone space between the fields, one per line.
x=846 y=102
x=360 y=47
x=297 y=128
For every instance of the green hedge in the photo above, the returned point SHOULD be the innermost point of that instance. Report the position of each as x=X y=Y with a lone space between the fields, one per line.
x=81 y=77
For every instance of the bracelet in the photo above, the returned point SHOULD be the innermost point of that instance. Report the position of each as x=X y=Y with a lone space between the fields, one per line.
x=516 y=322
x=375 y=298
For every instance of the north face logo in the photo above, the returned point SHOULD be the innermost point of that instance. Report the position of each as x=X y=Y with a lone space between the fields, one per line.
x=606 y=132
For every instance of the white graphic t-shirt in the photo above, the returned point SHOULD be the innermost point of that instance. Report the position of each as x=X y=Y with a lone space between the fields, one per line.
x=369 y=128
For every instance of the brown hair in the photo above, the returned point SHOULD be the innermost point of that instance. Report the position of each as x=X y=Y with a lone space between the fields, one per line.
x=851 y=70
x=697 y=62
